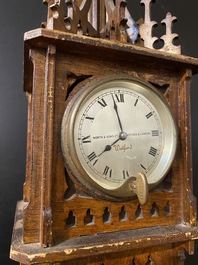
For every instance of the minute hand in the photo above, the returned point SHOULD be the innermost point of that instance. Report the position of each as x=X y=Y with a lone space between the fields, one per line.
x=116 y=110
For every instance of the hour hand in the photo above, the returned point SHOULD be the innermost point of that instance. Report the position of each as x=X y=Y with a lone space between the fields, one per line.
x=108 y=147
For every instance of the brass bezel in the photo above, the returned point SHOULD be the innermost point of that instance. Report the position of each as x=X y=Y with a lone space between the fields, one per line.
x=77 y=98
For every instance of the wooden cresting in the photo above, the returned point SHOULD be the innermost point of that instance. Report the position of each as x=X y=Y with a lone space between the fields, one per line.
x=109 y=19
x=59 y=224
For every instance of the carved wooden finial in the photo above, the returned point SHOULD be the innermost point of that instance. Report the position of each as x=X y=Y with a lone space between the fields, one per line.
x=147 y=26
x=169 y=37
x=55 y=14
x=76 y=20
x=115 y=25
x=109 y=19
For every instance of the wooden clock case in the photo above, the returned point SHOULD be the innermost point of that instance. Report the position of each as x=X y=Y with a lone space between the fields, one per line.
x=56 y=223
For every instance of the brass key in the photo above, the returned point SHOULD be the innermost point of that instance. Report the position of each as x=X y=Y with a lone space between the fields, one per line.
x=140 y=187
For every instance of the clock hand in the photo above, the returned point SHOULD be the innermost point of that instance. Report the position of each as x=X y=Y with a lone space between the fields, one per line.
x=122 y=135
x=108 y=147
x=116 y=110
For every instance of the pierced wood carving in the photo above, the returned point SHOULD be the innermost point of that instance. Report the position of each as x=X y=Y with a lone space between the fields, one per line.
x=169 y=37
x=109 y=19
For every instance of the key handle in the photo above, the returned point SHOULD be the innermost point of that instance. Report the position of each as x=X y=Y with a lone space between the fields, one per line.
x=140 y=187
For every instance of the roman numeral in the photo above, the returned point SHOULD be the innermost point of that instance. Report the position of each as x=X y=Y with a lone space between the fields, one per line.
x=149 y=115
x=86 y=139
x=102 y=103
x=95 y=162
x=108 y=171
x=155 y=133
x=125 y=174
x=120 y=97
x=153 y=151
x=136 y=102
x=89 y=118
x=142 y=166
x=92 y=156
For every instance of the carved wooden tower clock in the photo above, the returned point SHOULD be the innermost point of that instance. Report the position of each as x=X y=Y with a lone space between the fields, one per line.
x=109 y=170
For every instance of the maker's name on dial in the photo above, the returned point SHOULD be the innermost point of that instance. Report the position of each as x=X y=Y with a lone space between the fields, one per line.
x=122 y=148
x=117 y=135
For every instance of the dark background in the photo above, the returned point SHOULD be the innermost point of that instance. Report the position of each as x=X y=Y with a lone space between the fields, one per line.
x=17 y=17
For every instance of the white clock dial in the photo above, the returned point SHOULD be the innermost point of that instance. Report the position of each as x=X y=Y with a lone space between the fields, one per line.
x=117 y=129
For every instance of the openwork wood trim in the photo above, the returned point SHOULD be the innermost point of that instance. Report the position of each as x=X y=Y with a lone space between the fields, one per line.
x=109 y=19
x=135 y=242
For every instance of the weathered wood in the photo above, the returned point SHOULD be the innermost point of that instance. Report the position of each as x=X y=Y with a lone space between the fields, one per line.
x=108 y=19
x=114 y=51
x=110 y=58
x=56 y=213
x=189 y=200
x=32 y=188
x=48 y=130
x=132 y=243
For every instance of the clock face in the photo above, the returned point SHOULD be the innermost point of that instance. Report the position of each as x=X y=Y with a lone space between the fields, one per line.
x=114 y=129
